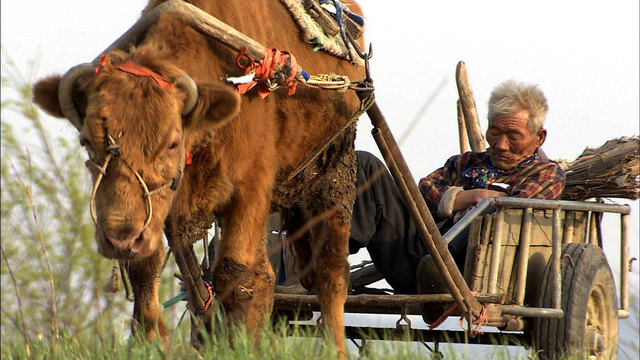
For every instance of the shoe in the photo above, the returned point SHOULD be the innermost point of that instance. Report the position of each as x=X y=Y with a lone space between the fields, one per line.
x=430 y=281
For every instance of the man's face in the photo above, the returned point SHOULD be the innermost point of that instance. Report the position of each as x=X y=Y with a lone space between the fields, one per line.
x=511 y=141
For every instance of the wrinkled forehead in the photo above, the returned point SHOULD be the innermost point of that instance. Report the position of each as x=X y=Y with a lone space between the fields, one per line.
x=515 y=121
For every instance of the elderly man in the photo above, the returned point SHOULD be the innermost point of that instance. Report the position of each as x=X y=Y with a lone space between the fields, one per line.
x=381 y=222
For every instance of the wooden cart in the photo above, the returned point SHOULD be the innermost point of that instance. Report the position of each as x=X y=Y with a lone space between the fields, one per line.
x=536 y=266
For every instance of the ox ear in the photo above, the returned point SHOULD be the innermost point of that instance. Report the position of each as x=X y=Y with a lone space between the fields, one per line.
x=49 y=94
x=45 y=95
x=217 y=105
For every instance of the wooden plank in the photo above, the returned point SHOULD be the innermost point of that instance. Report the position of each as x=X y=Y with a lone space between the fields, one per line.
x=476 y=140
x=472 y=243
x=479 y=277
x=580 y=221
x=366 y=303
x=567 y=233
x=462 y=129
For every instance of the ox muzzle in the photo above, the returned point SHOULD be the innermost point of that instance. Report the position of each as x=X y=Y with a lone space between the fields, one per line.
x=113 y=150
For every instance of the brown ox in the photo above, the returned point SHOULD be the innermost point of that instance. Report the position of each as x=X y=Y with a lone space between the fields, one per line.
x=244 y=150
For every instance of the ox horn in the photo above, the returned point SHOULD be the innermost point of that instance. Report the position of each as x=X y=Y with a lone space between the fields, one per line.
x=65 y=92
x=188 y=85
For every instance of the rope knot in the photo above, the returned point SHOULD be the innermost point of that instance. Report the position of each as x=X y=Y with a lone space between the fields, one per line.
x=113 y=148
x=278 y=68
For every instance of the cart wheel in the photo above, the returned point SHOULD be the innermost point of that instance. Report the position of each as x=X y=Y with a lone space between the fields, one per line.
x=589 y=328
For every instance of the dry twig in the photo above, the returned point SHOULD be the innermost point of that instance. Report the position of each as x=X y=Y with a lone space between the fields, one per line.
x=54 y=315
x=23 y=330
x=612 y=170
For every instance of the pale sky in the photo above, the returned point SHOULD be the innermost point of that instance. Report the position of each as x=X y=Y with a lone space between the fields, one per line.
x=583 y=54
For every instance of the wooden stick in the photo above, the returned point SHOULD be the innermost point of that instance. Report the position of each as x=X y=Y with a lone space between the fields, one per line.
x=430 y=235
x=462 y=131
x=476 y=140
x=323 y=19
x=366 y=303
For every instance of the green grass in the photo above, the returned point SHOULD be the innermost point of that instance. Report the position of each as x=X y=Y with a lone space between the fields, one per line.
x=275 y=342
x=113 y=344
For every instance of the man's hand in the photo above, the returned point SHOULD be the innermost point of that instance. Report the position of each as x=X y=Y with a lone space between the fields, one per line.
x=468 y=198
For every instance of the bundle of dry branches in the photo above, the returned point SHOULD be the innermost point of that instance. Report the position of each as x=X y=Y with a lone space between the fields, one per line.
x=611 y=170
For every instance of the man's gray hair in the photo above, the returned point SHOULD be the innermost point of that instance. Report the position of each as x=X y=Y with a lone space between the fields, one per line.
x=510 y=97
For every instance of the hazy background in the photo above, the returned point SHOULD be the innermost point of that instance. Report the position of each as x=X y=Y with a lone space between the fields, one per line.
x=583 y=54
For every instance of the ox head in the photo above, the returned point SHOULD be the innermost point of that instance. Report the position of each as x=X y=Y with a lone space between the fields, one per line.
x=137 y=118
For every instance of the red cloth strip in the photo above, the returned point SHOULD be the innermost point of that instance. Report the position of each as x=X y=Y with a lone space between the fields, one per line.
x=274 y=61
x=139 y=70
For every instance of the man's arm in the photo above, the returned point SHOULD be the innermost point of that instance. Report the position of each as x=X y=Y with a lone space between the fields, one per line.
x=468 y=198
x=435 y=185
x=545 y=182
x=441 y=191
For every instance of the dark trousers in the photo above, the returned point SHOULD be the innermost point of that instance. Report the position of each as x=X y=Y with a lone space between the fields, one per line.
x=382 y=224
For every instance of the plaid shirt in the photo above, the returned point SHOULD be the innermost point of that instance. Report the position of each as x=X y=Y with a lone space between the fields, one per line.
x=540 y=178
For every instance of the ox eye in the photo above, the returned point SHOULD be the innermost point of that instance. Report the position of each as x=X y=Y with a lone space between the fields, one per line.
x=173 y=145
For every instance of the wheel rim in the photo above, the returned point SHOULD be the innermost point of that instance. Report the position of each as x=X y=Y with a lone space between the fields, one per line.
x=597 y=324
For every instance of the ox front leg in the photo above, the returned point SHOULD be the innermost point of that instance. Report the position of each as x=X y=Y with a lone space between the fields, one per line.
x=243 y=278
x=261 y=304
x=144 y=275
x=332 y=276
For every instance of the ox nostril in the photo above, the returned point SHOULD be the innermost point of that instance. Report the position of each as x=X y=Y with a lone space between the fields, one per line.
x=121 y=244
x=123 y=236
x=123 y=232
